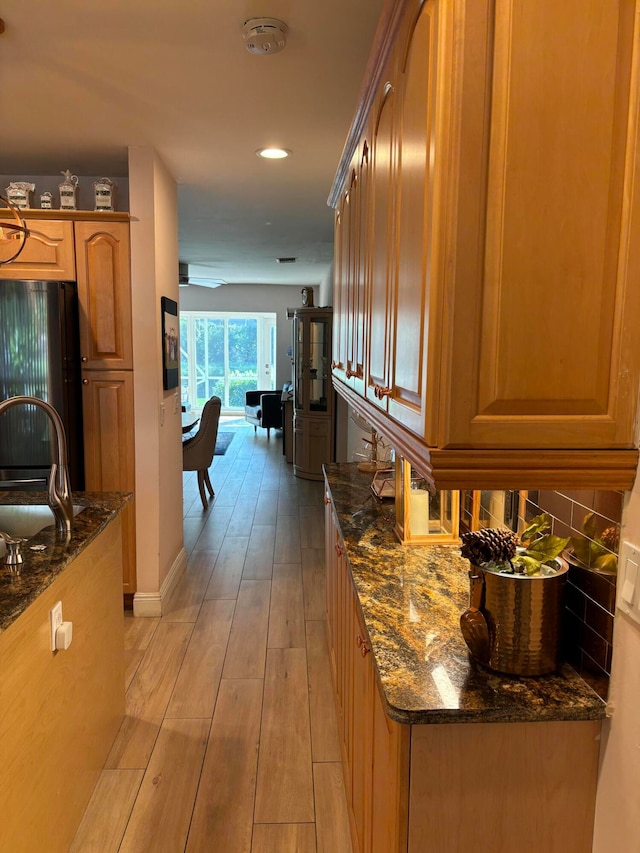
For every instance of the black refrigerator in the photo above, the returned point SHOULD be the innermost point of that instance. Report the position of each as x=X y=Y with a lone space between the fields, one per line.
x=39 y=357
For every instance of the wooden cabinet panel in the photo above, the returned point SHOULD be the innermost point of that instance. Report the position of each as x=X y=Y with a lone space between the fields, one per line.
x=104 y=289
x=61 y=710
x=504 y=241
x=362 y=680
x=107 y=408
x=340 y=284
x=381 y=276
x=415 y=223
x=48 y=253
x=389 y=794
x=553 y=353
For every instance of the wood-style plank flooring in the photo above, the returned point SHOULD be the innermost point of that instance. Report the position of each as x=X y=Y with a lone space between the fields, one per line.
x=230 y=744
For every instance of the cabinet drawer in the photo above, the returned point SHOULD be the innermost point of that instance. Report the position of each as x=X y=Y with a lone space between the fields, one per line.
x=48 y=253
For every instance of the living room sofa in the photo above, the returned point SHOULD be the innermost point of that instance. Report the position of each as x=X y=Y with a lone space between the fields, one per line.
x=263 y=409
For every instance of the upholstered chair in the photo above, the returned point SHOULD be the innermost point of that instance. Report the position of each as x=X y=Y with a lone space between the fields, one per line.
x=263 y=409
x=197 y=452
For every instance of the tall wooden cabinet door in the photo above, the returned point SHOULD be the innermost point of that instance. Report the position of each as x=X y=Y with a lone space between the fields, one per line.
x=48 y=252
x=552 y=311
x=342 y=249
x=390 y=781
x=107 y=409
x=359 y=269
x=412 y=346
x=381 y=249
x=362 y=743
x=104 y=290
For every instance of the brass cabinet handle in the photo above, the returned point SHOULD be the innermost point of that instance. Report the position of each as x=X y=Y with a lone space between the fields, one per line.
x=339 y=549
x=362 y=645
x=350 y=373
x=381 y=392
x=335 y=364
x=327 y=500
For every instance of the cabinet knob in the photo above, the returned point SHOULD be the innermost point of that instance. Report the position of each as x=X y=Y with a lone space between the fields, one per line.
x=327 y=499
x=84 y=359
x=339 y=549
x=85 y=381
x=381 y=392
x=350 y=373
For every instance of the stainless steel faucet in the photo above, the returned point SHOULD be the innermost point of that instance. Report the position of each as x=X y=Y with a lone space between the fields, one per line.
x=58 y=488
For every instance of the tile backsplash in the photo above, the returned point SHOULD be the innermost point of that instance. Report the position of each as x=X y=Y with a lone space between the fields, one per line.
x=591 y=518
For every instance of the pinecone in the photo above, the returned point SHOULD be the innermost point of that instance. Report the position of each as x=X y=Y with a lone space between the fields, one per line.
x=611 y=538
x=495 y=544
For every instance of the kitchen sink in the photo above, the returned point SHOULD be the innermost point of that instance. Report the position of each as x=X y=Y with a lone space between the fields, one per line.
x=24 y=520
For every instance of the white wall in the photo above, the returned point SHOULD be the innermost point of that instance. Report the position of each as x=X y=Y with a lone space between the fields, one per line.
x=252 y=297
x=617 y=824
x=154 y=265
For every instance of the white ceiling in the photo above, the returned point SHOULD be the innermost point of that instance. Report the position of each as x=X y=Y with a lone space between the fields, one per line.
x=82 y=80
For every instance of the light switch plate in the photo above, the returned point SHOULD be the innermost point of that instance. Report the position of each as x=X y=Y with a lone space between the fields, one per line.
x=629 y=581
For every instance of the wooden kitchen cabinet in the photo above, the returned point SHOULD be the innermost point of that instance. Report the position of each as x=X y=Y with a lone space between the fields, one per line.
x=504 y=241
x=368 y=737
x=104 y=291
x=48 y=253
x=107 y=408
x=410 y=787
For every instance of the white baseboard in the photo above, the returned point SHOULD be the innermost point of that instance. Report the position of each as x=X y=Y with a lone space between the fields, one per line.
x=149 y=604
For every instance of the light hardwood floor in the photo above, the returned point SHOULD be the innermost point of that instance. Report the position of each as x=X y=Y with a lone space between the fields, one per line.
x=229 y=744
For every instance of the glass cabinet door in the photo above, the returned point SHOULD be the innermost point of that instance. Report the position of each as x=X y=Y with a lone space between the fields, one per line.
x=318 y=365
x=300 y=361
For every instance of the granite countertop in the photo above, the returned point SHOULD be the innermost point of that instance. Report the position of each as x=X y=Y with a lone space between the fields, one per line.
x=411 y=598
x=40 y=568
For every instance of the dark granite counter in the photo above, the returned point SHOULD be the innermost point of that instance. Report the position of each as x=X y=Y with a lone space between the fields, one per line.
x=41 y=567
x=411 y=598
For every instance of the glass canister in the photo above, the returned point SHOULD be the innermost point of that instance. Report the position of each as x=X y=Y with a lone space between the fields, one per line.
x=424 y=516
x=19 y=192
x=68 y=189
x=46 y=201
x=104 y=192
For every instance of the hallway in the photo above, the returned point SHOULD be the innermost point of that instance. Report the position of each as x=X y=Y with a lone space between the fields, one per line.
x=229 y=743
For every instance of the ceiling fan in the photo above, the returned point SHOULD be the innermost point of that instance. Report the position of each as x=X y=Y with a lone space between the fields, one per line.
x=184 y=279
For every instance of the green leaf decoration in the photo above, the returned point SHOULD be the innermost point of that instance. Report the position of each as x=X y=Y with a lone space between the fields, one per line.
x=536 y=527
x=589 y=525
x=606 y=563
x=526 y=564
x=581 y=548
x=547 y=547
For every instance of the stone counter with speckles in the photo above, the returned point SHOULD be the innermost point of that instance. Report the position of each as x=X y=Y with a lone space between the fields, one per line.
x=411 y=598
x=19 y=589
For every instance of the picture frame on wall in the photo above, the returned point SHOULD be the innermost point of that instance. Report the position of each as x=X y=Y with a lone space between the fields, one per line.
x=170 y=343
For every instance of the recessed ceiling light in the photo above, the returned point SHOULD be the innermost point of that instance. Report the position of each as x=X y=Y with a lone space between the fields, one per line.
x=273 y=153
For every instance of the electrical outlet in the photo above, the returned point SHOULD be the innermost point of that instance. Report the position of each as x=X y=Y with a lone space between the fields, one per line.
x=55 y=621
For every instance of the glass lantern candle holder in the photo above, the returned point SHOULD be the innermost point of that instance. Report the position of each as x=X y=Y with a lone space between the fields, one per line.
x=424 y=516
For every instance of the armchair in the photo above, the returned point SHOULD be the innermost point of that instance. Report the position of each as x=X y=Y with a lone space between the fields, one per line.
x=263 y=409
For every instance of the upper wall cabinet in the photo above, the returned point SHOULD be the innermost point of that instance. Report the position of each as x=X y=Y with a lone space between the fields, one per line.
x=104 y=290
x=498 y=241
x=47 y=254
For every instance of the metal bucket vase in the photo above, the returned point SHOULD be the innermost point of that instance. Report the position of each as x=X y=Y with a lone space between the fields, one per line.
x=523 y=617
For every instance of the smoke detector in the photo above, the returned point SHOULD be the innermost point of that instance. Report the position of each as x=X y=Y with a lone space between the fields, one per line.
x=265 y=35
